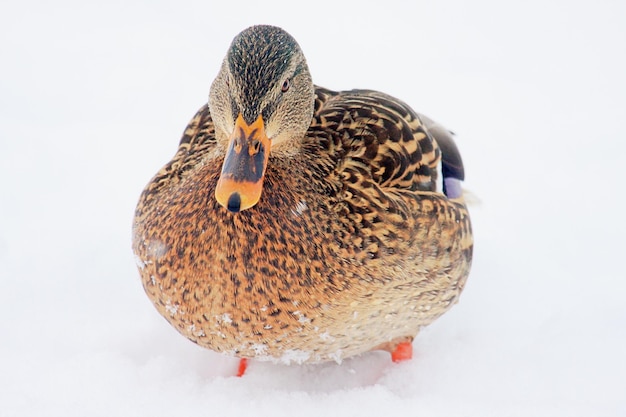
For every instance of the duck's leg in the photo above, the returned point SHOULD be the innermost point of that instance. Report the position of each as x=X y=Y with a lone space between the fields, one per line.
x=243 y=365
x=401 y=349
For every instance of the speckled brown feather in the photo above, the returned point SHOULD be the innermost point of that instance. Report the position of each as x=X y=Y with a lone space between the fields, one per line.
x=350 y=248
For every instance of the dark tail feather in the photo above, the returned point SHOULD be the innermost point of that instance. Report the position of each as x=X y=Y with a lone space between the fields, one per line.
x=451 y=163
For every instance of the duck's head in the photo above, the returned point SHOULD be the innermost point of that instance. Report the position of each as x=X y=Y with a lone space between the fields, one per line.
x=261 y=101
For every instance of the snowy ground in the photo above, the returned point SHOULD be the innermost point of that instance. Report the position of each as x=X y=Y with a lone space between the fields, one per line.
x=94 y=97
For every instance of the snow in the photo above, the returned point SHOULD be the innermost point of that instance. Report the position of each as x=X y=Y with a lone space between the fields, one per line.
x=95 y=95
x=301 y=207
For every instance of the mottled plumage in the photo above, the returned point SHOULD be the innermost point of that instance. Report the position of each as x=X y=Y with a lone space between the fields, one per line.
x=351 y=247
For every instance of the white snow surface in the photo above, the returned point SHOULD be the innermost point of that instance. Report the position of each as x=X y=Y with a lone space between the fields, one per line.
x=95 y=95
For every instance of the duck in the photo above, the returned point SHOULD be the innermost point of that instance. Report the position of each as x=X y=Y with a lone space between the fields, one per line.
x=297 y=224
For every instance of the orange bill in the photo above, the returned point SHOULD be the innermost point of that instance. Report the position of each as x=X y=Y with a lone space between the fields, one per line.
x=241 y=181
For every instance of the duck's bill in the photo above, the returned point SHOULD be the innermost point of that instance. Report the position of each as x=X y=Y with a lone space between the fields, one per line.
x=241 y=181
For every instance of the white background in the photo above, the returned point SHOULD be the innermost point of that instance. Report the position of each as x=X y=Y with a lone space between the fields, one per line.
x=95 y=95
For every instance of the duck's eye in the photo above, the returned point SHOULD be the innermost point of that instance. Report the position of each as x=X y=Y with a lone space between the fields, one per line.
x=285 y=86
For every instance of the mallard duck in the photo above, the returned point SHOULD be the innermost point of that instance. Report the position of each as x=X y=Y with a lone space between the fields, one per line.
x=300 y=224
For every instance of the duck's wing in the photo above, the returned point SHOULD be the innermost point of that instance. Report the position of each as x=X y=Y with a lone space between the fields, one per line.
x=381 y=169
x=381 y=143
x=200 y=131
x=452 y=170
x=197 y=140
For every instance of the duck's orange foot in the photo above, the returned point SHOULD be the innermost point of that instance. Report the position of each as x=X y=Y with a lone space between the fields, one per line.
x=401 y=348
x=243 y=365
x=402 y=352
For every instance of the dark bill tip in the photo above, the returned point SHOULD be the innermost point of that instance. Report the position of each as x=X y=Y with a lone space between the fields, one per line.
x=234 y=203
